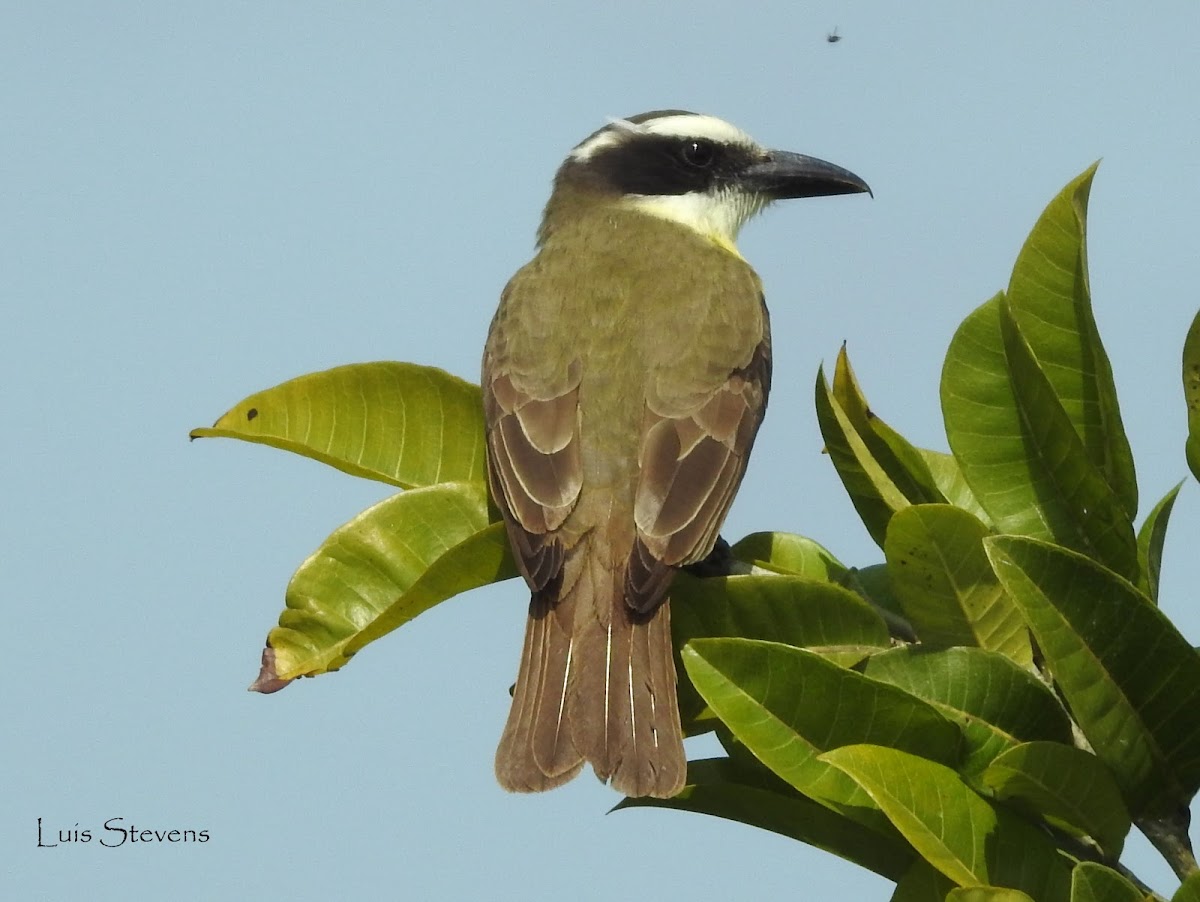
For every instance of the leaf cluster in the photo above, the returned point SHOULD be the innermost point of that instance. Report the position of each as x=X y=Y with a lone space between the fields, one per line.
x=984 y=714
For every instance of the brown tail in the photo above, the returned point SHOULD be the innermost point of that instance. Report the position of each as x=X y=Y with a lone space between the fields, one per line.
x=596 y=683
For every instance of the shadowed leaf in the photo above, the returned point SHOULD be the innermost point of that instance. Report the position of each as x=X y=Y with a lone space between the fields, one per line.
x=1050 y=300
x=1191 y=394
x=1067 y=786
x=874 y=584
x=922 y=883
x=945 y=584
x=1150 y=540
x=959 y=833
x=1080 y=507
x=1016 y=447
x=1131 y=680
x=1092 y=882
x=714 y=787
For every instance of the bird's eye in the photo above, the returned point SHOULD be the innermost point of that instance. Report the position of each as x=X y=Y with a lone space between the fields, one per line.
x=699 y=154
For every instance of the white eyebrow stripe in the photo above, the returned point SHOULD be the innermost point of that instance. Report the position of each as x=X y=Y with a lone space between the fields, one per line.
x=678 y=126
x=698 y=126
x=609 y=137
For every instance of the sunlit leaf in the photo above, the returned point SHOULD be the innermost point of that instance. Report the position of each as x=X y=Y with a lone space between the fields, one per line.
x=399 y=423
x=788 y=705
x=945 y=583
x=1189 y=890
x=390 y=563
x=947 y=476
x=788 y=609
x=997 y=703
x=1050 y=299
x=962 y=835
x=1131 y=680
x=986 y=894
x=1017 y=449
x=1068 y=786
x=872 y=492
x=785 y=552
x=899 y=459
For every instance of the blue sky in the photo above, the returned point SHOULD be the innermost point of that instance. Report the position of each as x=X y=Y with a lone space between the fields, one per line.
x=202 y=200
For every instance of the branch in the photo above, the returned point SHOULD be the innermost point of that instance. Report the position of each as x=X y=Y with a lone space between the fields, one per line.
x=1169 y=835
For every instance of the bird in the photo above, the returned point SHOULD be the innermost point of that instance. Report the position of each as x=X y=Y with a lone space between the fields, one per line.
x=625 y=375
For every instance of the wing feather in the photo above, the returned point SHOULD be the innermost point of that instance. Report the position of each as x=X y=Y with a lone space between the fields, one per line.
x=534 y=462
x=692 y=461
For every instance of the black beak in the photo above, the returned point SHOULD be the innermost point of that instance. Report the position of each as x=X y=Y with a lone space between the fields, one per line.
x=784 y=175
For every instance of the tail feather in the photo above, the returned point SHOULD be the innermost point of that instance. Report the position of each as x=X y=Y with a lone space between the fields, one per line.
x=654 y=763
x=599 y=705
x=596 y=684
x=536 y=751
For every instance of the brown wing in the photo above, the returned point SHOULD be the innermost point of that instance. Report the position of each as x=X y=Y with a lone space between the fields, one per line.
x=692 y=462
x=535 y=472
x=534 y=463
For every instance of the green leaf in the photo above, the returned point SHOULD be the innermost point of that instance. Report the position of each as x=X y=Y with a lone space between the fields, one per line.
x=899 y=459
x=1191 y=394
x=986 y=894
x=962 y=835
x=1189 y=890
x=874 y=584
x=947 y=476
x=945 y=583
x=874 y=495
x=788 y=609
x=1092 y=882
x=1067 y=786
x=996 y=703
x=1081 y=509
x=788 y=705
x=399 y=423
x=479 y=560
x=1131 y=680
x=390 y=563
x=714 y=787
x=785 y=552
x=1017 y=449
x=922 y=883
x=983 y=424
x=1051 y=302
x=1150 y=541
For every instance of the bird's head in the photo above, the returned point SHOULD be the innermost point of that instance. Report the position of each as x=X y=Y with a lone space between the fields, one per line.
x=692 y=169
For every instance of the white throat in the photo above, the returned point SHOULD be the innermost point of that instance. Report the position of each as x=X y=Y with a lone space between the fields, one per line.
x=718 y=216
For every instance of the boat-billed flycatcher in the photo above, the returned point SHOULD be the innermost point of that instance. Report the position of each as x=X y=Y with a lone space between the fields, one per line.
x=624 y=378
